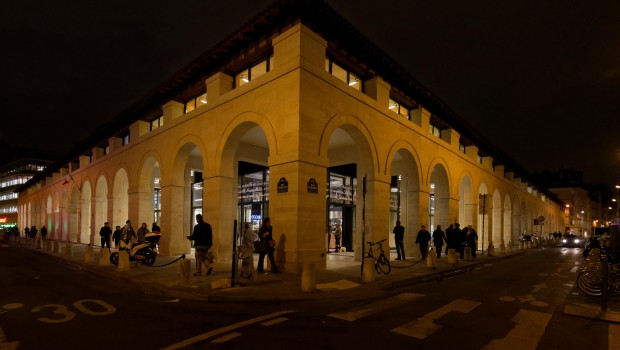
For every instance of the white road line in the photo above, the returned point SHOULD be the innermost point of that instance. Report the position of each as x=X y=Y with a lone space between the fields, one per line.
x=213 y=333
x=226 y=338
x=425 y=325
x=614 y=337
x=274 y=321
x=526 y=334
x=4 y=345
x=357 y=313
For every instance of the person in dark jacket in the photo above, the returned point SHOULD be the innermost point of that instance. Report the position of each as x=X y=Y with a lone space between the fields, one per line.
x=105 y=232
x=265 y=234
x=155 y=228
x=439 y=237
x=422 y=239
x=399 y=236
x=116 y=236
x=471 y=240
x=203 y=241
x=43 y=232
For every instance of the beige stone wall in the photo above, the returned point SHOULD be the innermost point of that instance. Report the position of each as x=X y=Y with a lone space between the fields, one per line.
x=298 y=120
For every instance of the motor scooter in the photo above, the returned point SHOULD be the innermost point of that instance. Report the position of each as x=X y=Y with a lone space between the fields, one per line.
x=145 y=252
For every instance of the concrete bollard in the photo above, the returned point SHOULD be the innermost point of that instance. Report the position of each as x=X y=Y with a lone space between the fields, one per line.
x=88 y=254
x=453 y=256
x=431 y=259
x=123 y=261
x=68 y=249
x=521 y=245
x=39 y=244
x=368 y=272
x=502 y=248
x=184 y=269
x=467 y=255
x=56 y=247
x=491 y=250
x=104 y=257
x=308 y=277
x=509 y=246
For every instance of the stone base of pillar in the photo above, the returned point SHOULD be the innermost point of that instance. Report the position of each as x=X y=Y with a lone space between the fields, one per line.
x=104 y=257
x=308 y=277
x=368 y=272
x=184 y=272
x=88 y=254
x=467 y=255
x=123 y=261
x=453 y=257
x=431 y=259
x=491 y=250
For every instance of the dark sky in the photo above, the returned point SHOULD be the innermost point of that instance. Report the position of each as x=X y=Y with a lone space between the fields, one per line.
x=540 y=79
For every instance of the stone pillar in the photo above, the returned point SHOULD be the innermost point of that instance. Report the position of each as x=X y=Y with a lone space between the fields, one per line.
x=220 y=212
x=413 y=219
x=141 y=208
x=173 y=240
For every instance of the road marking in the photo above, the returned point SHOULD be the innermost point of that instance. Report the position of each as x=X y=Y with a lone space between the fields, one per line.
x=357 y=313
x=226 y=338
x=213 y=333
x=274 y=321
x=4 y=345
x=538 y=287
x=425 y=325
x=529 y=329
x=614 y=337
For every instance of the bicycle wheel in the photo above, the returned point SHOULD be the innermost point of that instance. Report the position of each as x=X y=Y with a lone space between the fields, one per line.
x=590 y=283
x=383 y=264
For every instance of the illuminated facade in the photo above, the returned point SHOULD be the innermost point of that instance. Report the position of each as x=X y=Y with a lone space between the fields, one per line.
x=289 y=118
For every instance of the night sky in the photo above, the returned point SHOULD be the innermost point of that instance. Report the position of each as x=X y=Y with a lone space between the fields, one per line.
x=540 y=79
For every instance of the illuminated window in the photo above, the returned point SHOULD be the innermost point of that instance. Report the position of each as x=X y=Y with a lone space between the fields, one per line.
x=125 y=139
x=344 y=75
x=106 y=150
x=461 y=147
x=255 y=71
x=434 y=130
x=399 y=109
x=156 y=123
x=480 y=159
x=193 y=103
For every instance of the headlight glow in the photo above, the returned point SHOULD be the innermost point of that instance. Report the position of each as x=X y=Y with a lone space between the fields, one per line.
x=564 y=241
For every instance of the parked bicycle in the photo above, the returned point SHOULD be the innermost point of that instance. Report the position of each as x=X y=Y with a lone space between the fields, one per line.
x=590 y=279
x=382 y=263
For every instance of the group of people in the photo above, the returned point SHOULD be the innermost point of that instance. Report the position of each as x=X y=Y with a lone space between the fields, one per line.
x=31 y=232
x=453 y=238
x=127 y=234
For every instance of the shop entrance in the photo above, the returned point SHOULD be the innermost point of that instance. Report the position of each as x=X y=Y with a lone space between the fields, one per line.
x=341 y=204
x=253 y=194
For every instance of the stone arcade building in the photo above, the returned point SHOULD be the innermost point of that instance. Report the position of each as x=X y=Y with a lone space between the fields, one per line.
x=286 y=118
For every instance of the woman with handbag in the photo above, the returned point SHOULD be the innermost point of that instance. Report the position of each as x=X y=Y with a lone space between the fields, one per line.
x=266 y=238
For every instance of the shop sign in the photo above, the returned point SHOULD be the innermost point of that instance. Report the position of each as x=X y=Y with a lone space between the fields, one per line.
x=3 y=220
x=282 y=185
x=313 y=186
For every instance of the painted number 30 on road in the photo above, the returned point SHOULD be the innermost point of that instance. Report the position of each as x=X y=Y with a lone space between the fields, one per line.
x=63 y=314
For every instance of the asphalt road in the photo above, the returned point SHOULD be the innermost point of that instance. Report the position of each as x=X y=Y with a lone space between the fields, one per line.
x=512 y=304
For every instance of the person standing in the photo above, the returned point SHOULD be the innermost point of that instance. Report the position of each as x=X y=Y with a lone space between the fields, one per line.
x=142 y=231
x=337 y=237
x=116 y=236
x=203 y=241
x=399 y=236
x=422 y=239
x=439 y=237
x=450 y=238
x=33 y=231
x=265 y=234
x=471 y=240
x=27 y=232
x=155 y=228
x=128 y=235
x=43 y=232
x=105 y=232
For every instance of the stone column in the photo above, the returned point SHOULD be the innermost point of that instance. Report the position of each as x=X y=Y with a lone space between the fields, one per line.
x=220 y=212
x=173 y=240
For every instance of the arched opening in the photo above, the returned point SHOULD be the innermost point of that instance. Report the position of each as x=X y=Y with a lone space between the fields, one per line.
x=101 y=204
x=86 y=231
x=439 y=203
x=497 y=232
x=405 y=197
x=120 y=197
x=467 y=206
x=150 y=192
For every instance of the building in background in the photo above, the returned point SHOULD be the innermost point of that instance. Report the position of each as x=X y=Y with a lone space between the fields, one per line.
x=17 y=166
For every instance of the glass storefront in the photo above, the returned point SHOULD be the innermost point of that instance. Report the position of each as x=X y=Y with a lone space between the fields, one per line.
x=253 y=194
x=341 y=192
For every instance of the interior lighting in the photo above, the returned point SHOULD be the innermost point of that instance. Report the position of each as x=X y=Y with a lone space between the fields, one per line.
x=568 y=205
x=352 y=83
x=203 y=101
x=393 y=106
x=244 y=79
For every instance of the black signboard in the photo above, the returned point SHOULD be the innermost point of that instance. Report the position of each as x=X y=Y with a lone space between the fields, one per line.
x=313 y=186
x=282 y=185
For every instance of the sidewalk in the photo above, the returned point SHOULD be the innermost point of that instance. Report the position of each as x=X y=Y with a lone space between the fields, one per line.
x=342 y=277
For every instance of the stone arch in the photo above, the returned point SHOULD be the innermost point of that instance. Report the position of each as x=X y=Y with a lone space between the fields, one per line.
x=101 y=202
x=86 y=229
x=507 y=230
x=149 y=188
x=120 y=196
x=497 y=233
x=467 y=204
x=403 y=165
x=439 y=185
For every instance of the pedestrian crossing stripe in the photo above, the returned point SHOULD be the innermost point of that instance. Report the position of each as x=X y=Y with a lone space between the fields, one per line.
x=425 y=325
x=357 y=313
x=530 y=328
